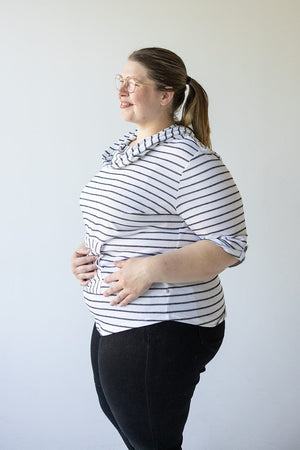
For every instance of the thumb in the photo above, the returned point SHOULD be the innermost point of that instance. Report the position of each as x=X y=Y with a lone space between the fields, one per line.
x=82 y=251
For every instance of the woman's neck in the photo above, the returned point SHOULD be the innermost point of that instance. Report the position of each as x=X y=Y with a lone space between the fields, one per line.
x=150 y=130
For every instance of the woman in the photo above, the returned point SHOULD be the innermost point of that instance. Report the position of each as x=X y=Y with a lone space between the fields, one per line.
x=163 y=218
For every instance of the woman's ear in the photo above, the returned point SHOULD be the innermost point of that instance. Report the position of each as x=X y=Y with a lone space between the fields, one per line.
x=167 y=97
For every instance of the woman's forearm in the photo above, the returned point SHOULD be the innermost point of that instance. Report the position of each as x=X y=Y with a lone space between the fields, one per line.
x=199 y=261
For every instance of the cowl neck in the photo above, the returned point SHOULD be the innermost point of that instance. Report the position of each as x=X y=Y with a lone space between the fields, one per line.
x=121 y=153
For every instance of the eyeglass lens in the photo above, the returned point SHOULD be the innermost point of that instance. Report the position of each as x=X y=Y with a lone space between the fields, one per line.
x=128 y=83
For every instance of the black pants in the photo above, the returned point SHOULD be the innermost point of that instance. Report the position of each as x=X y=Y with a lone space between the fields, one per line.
x=145 y=379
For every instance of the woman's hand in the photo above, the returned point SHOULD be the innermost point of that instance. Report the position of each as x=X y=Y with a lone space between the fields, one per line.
x=82 y=265
x=131 y=281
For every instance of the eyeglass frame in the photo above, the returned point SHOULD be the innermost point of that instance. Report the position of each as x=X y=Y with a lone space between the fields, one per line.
x=137 y=83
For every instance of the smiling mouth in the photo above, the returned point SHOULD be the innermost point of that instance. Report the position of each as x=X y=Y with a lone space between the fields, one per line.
x=124 y=105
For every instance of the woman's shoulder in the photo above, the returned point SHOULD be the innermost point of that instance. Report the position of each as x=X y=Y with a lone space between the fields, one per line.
x=188 y=146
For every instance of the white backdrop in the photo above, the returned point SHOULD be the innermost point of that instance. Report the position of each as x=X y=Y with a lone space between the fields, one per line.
x=58 y=112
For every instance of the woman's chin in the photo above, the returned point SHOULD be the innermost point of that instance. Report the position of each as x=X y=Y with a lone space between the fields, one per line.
x=126 y=116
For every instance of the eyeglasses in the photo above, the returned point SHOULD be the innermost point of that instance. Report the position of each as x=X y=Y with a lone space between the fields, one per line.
x=129 y=83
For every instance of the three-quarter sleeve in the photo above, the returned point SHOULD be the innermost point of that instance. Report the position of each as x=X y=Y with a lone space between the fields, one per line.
x=210 y=204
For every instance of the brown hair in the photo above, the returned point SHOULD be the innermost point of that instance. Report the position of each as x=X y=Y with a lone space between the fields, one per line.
x=167 y=69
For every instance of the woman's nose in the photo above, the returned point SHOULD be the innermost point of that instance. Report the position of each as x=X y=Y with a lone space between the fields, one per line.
x=123 y=88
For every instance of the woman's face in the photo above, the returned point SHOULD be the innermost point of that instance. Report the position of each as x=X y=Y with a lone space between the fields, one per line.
x=145 y=106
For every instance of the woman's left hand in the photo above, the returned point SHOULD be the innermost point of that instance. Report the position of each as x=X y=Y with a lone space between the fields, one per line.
x=131 y=281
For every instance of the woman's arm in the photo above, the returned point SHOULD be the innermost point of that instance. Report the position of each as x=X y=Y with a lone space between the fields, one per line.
x=199 y=261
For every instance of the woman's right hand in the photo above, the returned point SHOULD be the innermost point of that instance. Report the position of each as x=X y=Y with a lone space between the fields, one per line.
x=82 y=264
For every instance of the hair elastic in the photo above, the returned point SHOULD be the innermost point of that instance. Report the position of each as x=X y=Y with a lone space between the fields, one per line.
x=188 y=80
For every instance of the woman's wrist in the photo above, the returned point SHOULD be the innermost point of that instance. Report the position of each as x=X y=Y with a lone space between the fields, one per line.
x=156 y=268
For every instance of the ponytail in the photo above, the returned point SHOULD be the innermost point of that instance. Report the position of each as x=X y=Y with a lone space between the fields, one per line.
x=195 y=112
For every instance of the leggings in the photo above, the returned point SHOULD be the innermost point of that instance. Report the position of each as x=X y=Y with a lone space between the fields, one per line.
x=145 y=378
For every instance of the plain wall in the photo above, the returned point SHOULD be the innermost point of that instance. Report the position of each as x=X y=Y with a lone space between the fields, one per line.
x=58 y=112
